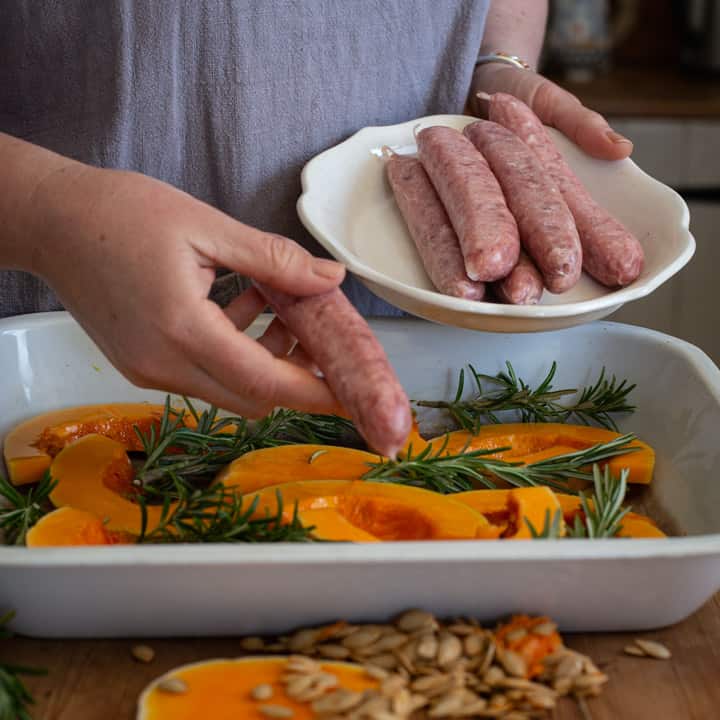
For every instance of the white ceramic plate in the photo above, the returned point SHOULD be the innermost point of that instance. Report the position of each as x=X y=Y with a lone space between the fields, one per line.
x=348 y=206
x=47 y=362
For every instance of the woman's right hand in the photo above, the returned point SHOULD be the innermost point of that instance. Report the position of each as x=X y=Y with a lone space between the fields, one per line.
x=133 y=259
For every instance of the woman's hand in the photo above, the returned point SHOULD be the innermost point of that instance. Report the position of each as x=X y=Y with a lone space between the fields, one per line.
x=133 y=259
x=554 y=106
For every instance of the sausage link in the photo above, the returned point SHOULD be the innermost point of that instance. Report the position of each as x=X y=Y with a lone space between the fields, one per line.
x=547 y=229
x=474 y=202
x=353 y=362
x=611 y=253
x=430 y=228
x=523 y=286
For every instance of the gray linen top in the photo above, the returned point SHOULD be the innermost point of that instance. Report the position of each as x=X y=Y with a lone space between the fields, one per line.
x=225 y=99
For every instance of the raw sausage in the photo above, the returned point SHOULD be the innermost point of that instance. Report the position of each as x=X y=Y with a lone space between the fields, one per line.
x=523 y=286
x=474 y=202
x=611 y=253
x=547 y=229
x=353 y=362
x=430 y=228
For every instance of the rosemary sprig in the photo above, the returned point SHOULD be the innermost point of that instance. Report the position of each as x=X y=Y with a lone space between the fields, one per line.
x=444 y=473
x=177 y=451
x=15 y=699
x=601 y=515
x=550 y=529
x=603 y=512
x=596 y=404
x=22 y=510
x=216 y=514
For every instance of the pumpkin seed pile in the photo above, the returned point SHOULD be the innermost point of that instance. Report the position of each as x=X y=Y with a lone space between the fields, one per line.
x=425 y=669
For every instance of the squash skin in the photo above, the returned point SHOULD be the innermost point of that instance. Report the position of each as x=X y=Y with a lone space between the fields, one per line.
x=223 y=686
x=30 y=446
x=68 y=526
x=386 y=511
x=531 y=442
x=289 y=463
x=92 y=474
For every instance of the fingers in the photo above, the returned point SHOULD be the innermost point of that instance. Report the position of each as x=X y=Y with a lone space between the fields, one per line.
x=244 y=308
x=249 y=371
x=271 y=259
x=588 y=129
x=555 y=107
x=277 y=339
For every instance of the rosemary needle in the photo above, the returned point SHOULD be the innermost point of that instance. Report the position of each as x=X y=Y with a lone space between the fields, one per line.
x=506 y=392
x=446 y=473
x=22 y=510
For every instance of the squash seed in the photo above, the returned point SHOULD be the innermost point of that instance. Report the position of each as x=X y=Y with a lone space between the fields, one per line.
x=276 y=711
x=302 y=640
x=362 y=638
x=449 y=649
x=386 y=661
x=375 y=672
x=261 y=692
x=513 y=663
x=516 y=634
x=427 y=647
x=473 y=645
x=634 y=650
x=545 y=628
x=494 y=676
x=143 y=653
x=447 y=705
x=252 y=644
x=570 y=666
x=302 y=664
x=174 y=685
x=585 y=682
x=461 y=629
x=413 y=620
x=337 y=701
x=653 y=649
x=333 y=651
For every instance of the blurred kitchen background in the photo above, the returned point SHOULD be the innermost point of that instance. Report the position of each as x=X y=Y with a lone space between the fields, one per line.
x=652 y=67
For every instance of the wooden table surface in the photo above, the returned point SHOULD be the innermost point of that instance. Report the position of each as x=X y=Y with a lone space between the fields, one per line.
x=99 y=680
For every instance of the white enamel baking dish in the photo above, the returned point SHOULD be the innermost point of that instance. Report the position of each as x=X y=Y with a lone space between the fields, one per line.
x=46 y=361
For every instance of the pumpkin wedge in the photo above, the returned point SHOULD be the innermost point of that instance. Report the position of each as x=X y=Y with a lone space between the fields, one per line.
x=531 y=442
x=510 y=510
x=69 y=526
x=385 y=511
x=222 y=689
x=289 y=463
x=633 y=525
x=94 y=474
x=30 y=446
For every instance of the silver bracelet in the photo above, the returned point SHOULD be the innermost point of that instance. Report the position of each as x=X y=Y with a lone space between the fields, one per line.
x=502 y=57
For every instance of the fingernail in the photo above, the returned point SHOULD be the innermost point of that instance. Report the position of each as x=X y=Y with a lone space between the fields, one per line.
x=328 y=269
x=616 y=137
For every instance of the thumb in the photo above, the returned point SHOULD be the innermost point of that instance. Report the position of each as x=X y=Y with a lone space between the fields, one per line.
x=272 y=259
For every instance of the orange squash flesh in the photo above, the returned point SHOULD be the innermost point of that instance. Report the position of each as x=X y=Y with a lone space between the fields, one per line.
x=633 y=525
x=386 y=511
x=221 y=690
x=69 y=526
x=531 y=442
x=532 y=647
x=289 y=463
x=93 y=474
x=30 y=446
x=509 y=509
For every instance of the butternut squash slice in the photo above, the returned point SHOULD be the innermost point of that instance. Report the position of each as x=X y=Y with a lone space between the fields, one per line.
x=509 y=510
x=533 y=639
x=531 y=442
x=94 y=474
x=633 y=525
x=69 y=526
x=30 y=446
x=289 y=463
x=383 y=511
x=222 y=689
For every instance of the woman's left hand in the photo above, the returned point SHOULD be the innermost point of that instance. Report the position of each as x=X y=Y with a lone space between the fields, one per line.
x=554 y=106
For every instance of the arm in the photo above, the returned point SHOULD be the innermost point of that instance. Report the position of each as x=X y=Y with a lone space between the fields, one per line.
x=518 y=27
x=133 y=259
